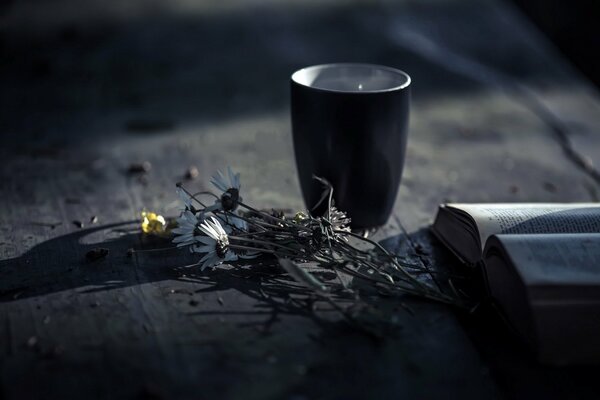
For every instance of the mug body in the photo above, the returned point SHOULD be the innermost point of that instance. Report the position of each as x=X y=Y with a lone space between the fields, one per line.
x=349 y=125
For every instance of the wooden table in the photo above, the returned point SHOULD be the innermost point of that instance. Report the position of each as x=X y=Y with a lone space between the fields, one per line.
x=498 y=115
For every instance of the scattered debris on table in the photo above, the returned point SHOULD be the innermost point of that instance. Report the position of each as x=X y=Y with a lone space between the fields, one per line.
x=139 y=168
x=191 y=173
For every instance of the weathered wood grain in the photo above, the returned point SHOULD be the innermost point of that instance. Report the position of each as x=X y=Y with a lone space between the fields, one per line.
x=88 y=90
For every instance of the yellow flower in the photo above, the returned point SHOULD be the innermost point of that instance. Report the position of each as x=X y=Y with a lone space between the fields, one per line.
x=299 y=217
x=153 y=223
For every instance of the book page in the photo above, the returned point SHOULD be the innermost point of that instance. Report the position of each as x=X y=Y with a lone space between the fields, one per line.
x=548 y=286
x=507 y=218
x=561 y=259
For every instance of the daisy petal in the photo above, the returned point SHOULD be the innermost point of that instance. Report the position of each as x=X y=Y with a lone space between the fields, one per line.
x=219 y=185
x=217 y=226
x=204 y=249
x=211 y=262
x=206 y=257
x=185 y=198
x=248 y=256
x=183 y=238
x=231 y=177
x=209 y=230
x=206 y=240
x=230 y=256
x=179 y=231
x=219 y=181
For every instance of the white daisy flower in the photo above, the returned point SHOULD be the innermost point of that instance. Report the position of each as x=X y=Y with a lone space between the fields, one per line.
x=185 y=198
x=230 y=185
x=215 y=244
x=229 y=222
x=224 y=183
x=237 y=223
x=185 y=232
x=339 y=220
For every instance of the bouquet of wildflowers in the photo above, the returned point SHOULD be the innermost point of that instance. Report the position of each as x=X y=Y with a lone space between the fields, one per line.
x=227 y=230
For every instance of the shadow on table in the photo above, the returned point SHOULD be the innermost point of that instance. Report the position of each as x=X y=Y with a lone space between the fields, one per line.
x=514 y=367
x=512 y=364
x=62 y=264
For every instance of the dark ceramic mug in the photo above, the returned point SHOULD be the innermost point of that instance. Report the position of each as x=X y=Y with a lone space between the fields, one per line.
x=349 y=124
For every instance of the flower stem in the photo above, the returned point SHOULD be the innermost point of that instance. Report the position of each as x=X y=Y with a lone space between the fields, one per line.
x=264 y=214
x=263 y=242
x=192 y=196
x=384 y=251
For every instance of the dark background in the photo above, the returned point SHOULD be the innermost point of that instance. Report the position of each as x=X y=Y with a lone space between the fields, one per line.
x=89 y=87
x=573 y=27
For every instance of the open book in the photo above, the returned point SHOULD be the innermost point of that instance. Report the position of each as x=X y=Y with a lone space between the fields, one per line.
x=542 y=267
x=548 y=287
x=464 y=228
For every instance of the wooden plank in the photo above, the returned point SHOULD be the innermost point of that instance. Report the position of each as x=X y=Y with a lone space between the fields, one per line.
x=132 y=86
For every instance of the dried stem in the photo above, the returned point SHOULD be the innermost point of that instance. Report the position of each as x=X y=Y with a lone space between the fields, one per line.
x=322 y=240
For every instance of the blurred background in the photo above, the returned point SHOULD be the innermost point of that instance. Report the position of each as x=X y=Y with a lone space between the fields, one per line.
x=179 y=60
x=571 y=26
x=87 y=86
x=90 y=84
x=94 y=91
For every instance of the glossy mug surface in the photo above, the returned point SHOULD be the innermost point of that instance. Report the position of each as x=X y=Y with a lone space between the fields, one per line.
x=349 y=125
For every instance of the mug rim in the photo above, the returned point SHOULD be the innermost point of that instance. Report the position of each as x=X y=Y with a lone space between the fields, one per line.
x=294 y=77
